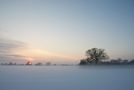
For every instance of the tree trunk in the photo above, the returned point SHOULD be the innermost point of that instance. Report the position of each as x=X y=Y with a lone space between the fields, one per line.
x=97 y=60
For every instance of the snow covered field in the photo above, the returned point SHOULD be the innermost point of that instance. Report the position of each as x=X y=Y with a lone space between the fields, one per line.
x=66 y=77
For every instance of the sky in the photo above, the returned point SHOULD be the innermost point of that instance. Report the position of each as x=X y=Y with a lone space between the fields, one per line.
x=60 y=31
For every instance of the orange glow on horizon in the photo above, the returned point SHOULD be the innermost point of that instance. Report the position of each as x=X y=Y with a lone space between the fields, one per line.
x=29 y=63
x=29 y=59
x=32 y=54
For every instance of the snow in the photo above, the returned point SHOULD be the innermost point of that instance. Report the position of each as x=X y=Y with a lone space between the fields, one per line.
x=66 y=77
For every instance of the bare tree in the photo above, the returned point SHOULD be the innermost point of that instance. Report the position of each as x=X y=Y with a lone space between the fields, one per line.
x=95 y=54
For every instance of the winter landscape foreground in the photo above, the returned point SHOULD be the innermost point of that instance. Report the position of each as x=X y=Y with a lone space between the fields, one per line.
x=67 y=77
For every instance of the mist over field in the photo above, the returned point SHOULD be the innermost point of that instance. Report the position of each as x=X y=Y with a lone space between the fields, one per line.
x=66 y=77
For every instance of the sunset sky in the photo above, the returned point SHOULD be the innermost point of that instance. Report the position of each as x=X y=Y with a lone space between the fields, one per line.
x=60 y=31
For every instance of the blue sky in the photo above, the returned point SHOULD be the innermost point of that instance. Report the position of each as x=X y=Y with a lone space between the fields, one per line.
x=69 y=27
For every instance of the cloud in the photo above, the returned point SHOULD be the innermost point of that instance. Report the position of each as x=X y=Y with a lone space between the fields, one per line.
x=8 y=47
x=16 y=55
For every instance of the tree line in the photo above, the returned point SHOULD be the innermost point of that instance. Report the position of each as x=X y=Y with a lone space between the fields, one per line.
x=99 y=56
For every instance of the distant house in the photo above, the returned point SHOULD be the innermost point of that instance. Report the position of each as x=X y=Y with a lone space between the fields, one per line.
x=131 y=62
x=118 y=61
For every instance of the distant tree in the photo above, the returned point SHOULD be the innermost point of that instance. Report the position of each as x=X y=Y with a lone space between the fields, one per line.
x=48 y=63
x=29 y=63
x=95 y=54
x=10 y=63
x=38 y=64
x=83 y=62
